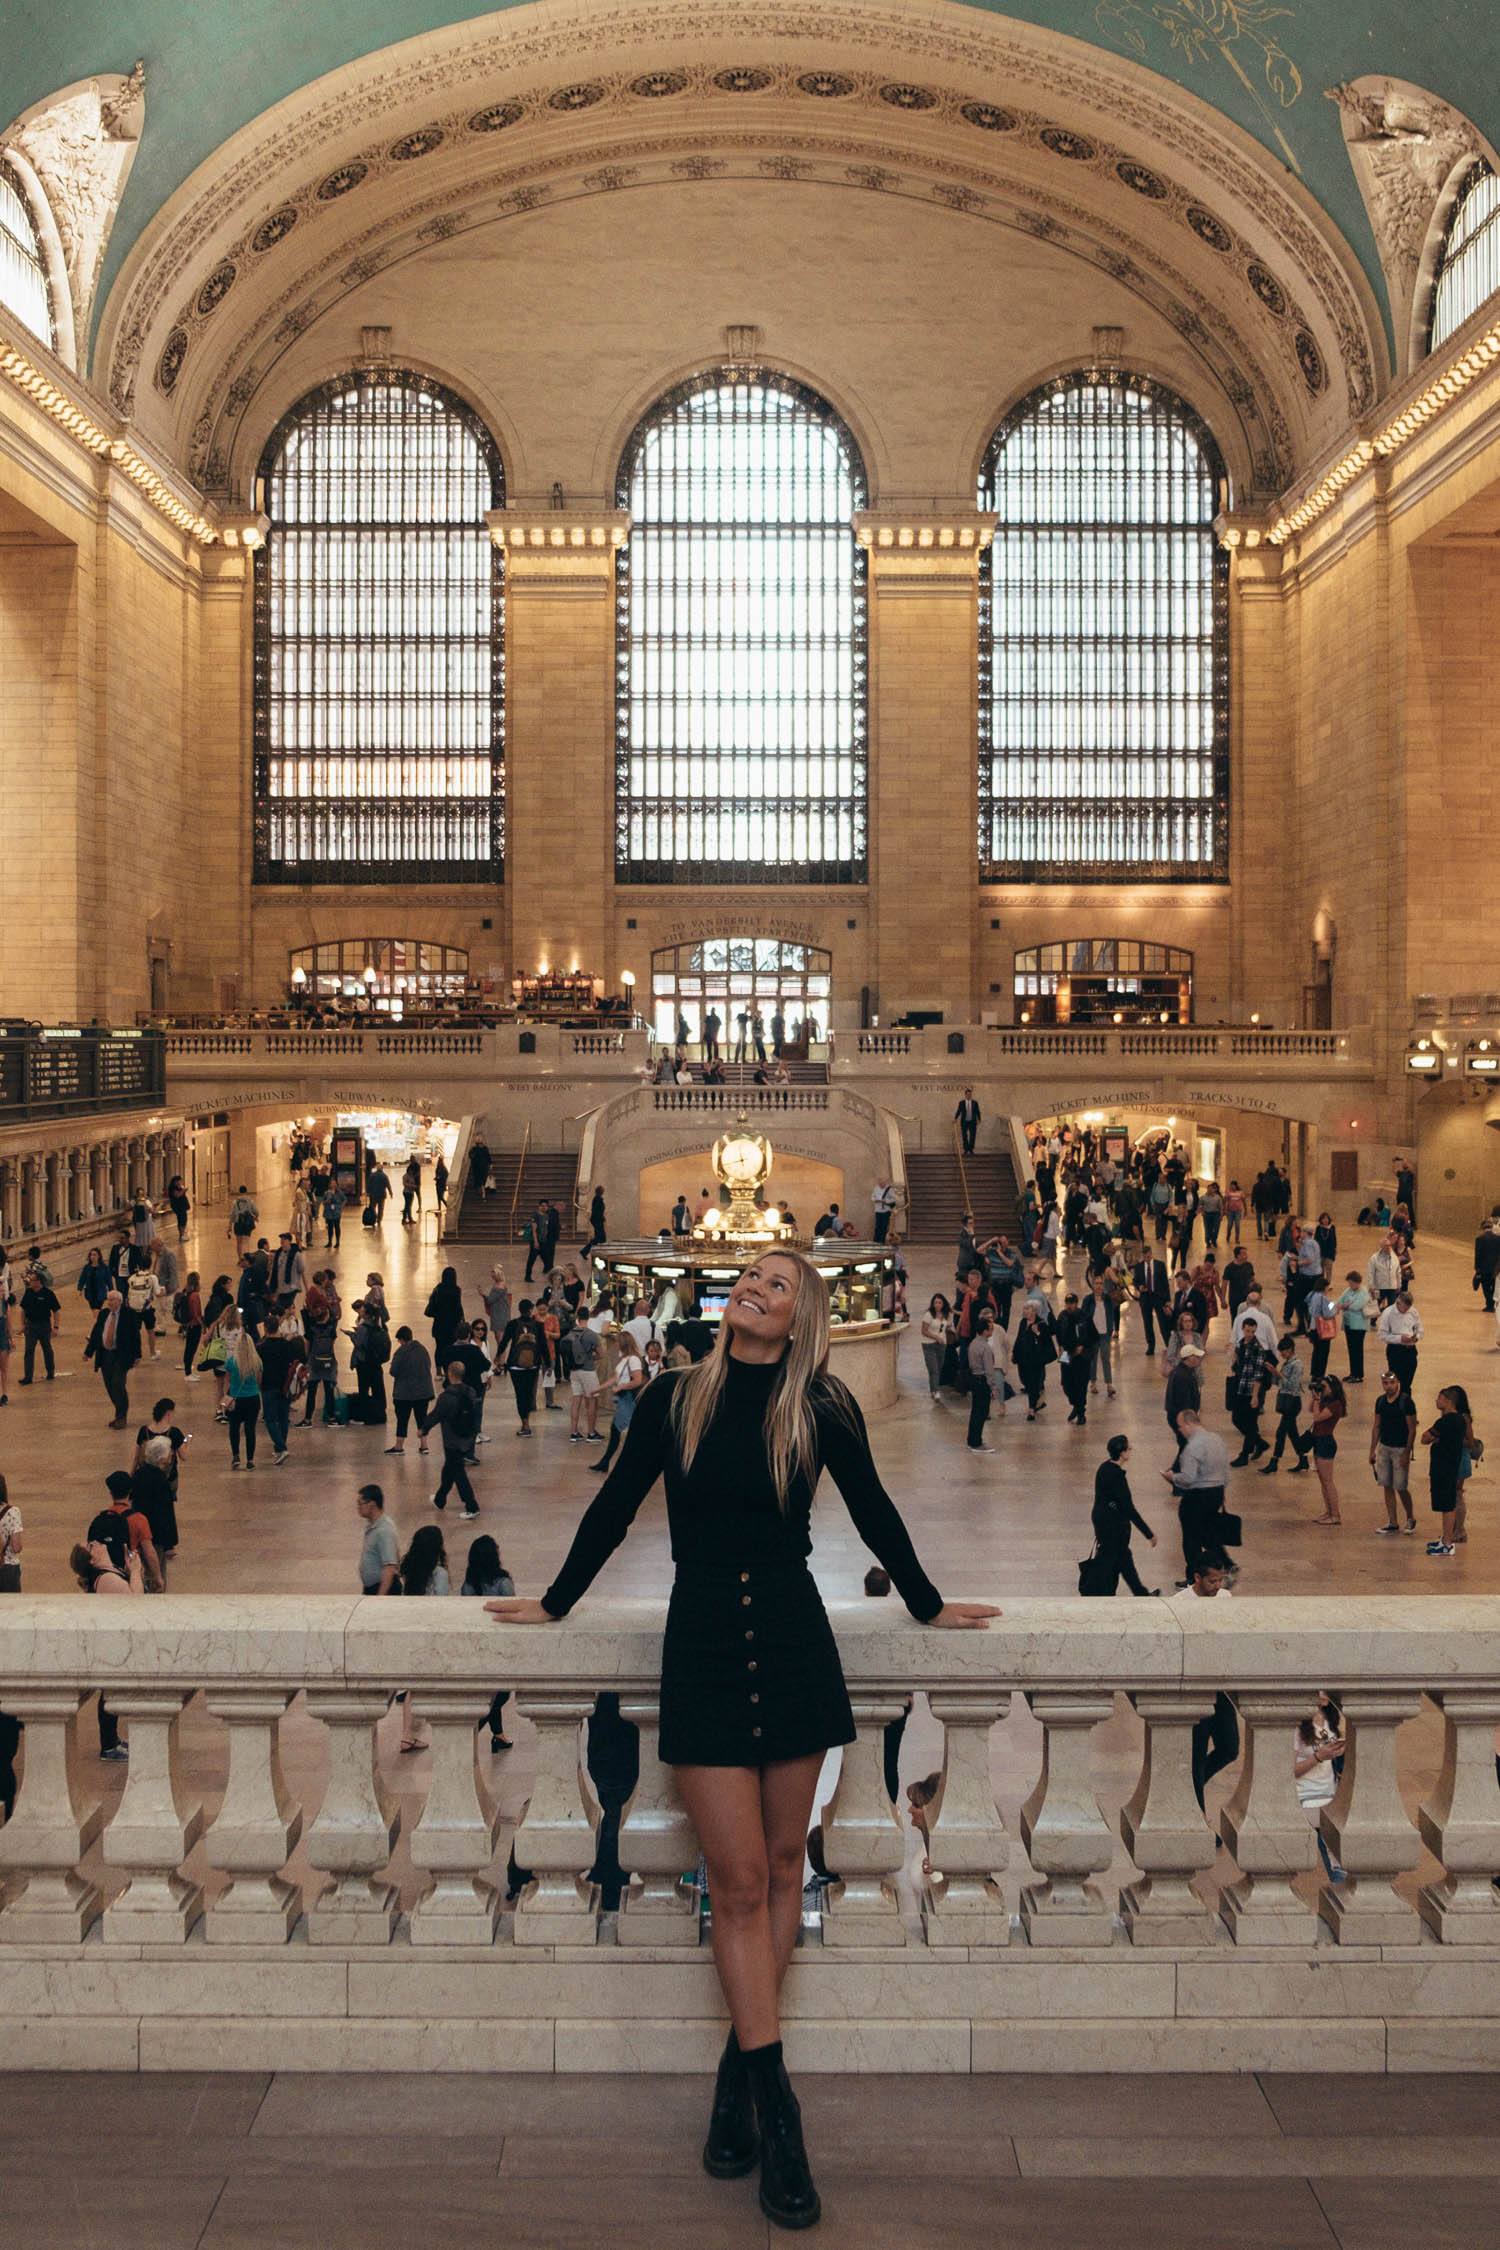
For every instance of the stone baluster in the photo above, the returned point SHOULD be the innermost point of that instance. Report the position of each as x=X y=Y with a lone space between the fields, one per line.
x=1064 y=1832
x=1367 y=1828
x=47 y=1901
x=1269 y=1836
x=862 y=1837
x=355 y=1830
x=657 y=1846
x=256 y=1825
x=454 y=1840
x=154 y=1827
x=1460 y=1823
x=969 y=1850
x=555 y=1840
x=1164 y=1827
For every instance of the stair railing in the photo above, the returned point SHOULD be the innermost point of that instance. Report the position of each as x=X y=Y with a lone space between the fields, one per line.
x=515 y=1200
x=963 y=1172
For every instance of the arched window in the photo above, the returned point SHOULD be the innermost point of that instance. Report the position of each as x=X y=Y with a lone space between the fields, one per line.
x=741 y=721
x=378 y=640
x=1104 y=981
x=23 y=275
x=1469 y=267
x=1103 y=641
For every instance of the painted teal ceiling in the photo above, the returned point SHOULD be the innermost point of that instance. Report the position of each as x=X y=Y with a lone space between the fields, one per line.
x=211 y=67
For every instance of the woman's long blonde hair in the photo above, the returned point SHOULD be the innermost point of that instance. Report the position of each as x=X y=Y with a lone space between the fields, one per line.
x=244 y=1354
x=791 y=1440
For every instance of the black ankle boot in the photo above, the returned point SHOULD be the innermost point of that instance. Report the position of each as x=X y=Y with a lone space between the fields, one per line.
x=787 y=2194
x=733 y=2143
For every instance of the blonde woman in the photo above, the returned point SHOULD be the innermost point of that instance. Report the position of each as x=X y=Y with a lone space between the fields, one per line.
x=242 y=1372
x=752 y=1694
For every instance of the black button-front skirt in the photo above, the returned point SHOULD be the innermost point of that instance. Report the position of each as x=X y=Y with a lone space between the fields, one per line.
x=750 y=1670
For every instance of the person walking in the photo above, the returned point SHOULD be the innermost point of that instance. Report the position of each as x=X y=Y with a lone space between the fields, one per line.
x=187 y=1310
x=1487 y=1261
x=411 y=1389
x=1114 y=1516
x=580 y=1355
x=750 y=1711
x=455 y=1417
x=968 y=1115
x=883 y=1200
x=177 y=1201
x=1250 y=1376
x=981 y=1357
x=114 y=1346
x=627 y=1380
x=380 y=1548
x=41 y=1322
x=1323 y=1326
x=333 y=1216
x=1153 y=1293
x=522 y=1354
x=1033 y=1352
x=1393 y=1435
x=445 y=1310
x=378 y=1190
x=320 y=1327
x=1075 y=1344
x=282 y=1352
x=242 y=1369
x=411 y=1190
x=370 y=1348
x=936 y=1326
x=597 y=1229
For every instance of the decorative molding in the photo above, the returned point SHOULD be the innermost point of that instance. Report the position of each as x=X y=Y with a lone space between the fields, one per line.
x=371 y=97
x=918 y=536
x=557 y=530
x=81 y=143
x=1404 y=146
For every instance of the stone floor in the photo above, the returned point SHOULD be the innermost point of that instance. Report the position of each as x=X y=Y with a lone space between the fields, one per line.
x=1013 y=1521
x=174 y=2162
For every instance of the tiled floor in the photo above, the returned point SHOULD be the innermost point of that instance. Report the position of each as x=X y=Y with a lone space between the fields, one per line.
x=1013 y=1521
x=374 y=2163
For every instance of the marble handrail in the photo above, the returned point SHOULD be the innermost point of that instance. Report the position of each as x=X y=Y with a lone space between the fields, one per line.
x=1070 y=1661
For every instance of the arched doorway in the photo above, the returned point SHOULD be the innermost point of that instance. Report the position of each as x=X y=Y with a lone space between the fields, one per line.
x=772 y=976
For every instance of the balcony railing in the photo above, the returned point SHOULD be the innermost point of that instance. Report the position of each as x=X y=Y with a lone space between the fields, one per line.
x=70 y=1072
x=370 y=1871
x=988 y=1048
x=471 y=1053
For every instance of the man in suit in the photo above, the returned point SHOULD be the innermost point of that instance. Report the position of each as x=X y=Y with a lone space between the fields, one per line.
x=551 y=1229
x=1154 y=1293
x=114 y=1346
x=968 y=1114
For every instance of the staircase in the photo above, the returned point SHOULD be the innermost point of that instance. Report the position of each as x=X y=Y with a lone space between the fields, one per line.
x=936 y=1197
x=549 y=1173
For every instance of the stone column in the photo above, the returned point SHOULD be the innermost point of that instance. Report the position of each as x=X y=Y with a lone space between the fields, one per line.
x=1163 y=1825
x=1367 y=1827
x=99 y=1179
x=1269 y=1836
x=256 y=1825
x=862 y=1836
x=1460 y=1823
x=556 y=1837
x=54 y=1198
x=10 y=1197
x=156 y=1178
x=31 y=1195
x=48 y=1902
x=119 y=1175
x=924 y=652
x=154 y=1827
x=658 y=1849
x=355 y=1830
x=560 y=731
x=454 y=1840
x=969 y=1849
x=1062 y=1827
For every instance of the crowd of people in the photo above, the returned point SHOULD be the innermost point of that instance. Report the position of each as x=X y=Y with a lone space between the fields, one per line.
x=1100 y=1232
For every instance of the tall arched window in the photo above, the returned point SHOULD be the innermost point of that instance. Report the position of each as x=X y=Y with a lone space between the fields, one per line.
x=741 y=717
x=1469 y=267
x=378 y=640
x=1103 y=641
x=23 y=273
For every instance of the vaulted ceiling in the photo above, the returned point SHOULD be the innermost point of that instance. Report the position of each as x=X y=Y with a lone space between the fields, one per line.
x=1183 y=148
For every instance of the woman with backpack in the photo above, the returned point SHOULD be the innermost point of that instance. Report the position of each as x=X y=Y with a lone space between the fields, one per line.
x=522 y=1354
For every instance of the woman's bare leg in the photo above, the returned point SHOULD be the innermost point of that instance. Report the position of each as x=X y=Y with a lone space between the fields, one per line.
x=786 y=1796
x=724 y=1806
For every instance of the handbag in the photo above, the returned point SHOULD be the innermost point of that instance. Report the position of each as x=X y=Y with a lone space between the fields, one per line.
x=1227 y=1529
x=1097 y=1574
x=1326 y=1325
x=10 y=1578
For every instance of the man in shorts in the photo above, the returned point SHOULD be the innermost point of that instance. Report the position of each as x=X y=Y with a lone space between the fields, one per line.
x=580 y=1351
x=1393 y=1433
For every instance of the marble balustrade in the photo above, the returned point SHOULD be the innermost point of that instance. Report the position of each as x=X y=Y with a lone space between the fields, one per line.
x=1238 y=1895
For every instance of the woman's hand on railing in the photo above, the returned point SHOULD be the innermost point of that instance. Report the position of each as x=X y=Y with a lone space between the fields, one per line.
x=520 y=1609
x=964 y=1617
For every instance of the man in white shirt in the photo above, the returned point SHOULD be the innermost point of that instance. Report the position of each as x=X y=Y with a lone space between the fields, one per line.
x=884 y=1201
x=1383 y=1273
x=1400 y=1330
x=641 y=1328
x=1253 y=1314
x=1199 y=1479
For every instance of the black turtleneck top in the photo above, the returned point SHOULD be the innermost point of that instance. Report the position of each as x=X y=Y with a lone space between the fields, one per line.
x=723 y=1512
